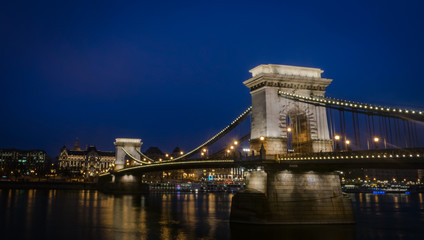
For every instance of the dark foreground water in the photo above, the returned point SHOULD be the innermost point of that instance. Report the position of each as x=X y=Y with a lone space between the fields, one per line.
x=80 y=215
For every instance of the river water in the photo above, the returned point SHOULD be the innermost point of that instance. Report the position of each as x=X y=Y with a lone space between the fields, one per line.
x=85 y=214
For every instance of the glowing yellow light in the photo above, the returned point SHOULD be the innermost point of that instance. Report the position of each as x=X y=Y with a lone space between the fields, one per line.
x=166 y=155
x=376 y=139
x=202 y=154
x=289 y=129
x=204 y=149
x=262 y=138
x=232 y=147
x=347 y=142
x=337 y=137
x=181 y=152
x=235 y=142
x=228 y=151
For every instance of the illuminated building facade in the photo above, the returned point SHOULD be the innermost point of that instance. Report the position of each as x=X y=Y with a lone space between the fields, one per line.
x=15 y=162
x=88 y=163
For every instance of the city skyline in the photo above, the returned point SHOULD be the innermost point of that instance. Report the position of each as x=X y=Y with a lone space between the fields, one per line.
x=172 y=74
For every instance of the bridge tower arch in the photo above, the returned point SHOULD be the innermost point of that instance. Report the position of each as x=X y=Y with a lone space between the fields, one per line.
x=270 y=112
x=125 y=146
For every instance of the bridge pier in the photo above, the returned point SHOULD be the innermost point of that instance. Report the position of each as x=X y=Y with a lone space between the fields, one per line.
x=289 y=197
x=122 y=184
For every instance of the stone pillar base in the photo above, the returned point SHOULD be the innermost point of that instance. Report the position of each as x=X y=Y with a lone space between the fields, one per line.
x=122 y=184
x=273 y=146
x=293 y=198
x=322 y=146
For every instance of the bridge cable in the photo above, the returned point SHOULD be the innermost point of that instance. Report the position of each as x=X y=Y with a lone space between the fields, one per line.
x=358 y=129
x=356 y=106
x=131 y=156
x=405 y=133
x=219 y=135
x=389 y=130
x=415 y=131
x=398 y=136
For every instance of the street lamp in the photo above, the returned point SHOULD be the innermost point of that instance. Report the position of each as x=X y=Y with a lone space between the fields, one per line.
x=337 y=138
x=347 y=145
x=376 y=140
x=235 y=142
x=289 y=140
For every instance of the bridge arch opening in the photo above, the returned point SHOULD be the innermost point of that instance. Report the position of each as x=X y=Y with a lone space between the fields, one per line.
x=299 y=139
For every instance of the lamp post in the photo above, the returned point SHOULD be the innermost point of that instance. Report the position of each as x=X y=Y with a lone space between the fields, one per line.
x=347 y=142
x=262 y=150
x=337 y=139
x=204 y=152
x=289 y=140
x=376 y=140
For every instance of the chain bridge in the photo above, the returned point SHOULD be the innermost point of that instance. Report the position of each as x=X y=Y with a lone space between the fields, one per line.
x=298 y=137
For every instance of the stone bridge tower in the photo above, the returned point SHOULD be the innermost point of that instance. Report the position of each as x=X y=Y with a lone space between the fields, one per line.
x=273 y=115
x=131 y=145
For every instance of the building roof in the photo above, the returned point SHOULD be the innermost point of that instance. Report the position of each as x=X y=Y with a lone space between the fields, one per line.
x=89 y=149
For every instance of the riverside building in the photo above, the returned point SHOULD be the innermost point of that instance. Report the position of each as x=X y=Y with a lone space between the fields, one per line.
x=85 y=163
x=17 y=163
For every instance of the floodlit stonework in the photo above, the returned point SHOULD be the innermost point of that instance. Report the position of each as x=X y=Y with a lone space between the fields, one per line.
x=271 y=112
x=131 y=146
x=288 y=197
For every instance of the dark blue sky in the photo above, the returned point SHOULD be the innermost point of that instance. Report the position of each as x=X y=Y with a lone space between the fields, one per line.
x=171 y=73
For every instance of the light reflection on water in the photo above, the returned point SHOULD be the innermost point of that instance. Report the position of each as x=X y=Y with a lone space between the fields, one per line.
x=58 y=214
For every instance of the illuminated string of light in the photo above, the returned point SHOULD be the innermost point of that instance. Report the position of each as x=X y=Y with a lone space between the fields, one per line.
x=351 y=155
x=170 y=163
x=219 y=134
x=354 y=105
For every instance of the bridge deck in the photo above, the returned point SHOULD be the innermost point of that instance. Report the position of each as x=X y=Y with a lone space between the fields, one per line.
x=330 y=161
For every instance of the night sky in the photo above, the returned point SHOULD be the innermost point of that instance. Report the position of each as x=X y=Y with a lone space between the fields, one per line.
x=171 y=73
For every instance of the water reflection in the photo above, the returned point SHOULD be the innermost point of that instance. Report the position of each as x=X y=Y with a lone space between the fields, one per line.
x=292 y=232
x=56 y=214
